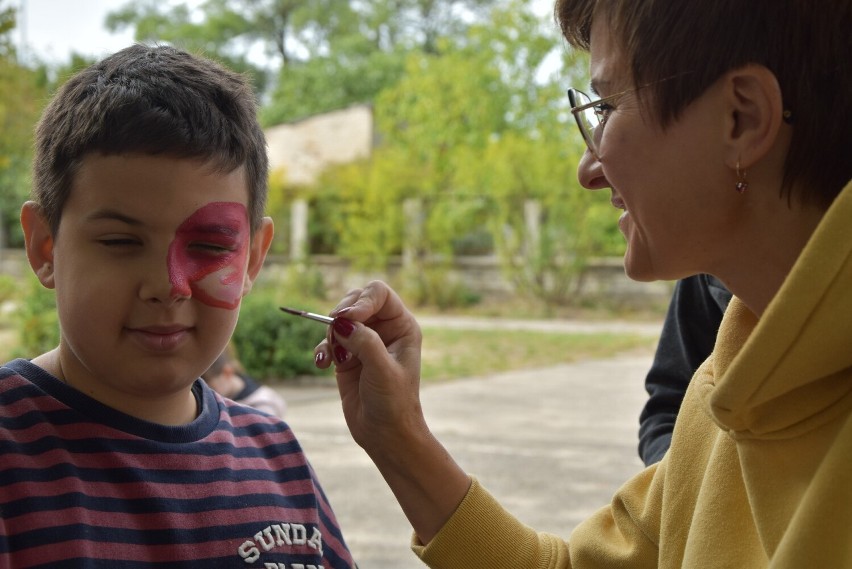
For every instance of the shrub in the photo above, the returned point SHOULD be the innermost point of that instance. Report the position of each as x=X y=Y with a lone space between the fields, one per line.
x=274 y=345
x=8 y=288
x=37 y=321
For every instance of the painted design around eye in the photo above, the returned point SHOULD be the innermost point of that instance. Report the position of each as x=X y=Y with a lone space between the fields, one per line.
x=207 y=257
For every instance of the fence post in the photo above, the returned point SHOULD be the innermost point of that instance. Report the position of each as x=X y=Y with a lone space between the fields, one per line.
x=299 y=230
x=413 y=239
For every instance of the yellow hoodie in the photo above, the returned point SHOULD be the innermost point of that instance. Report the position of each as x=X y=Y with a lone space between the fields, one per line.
x=759 y=473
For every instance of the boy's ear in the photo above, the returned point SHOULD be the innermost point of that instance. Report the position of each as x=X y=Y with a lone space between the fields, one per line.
x=38 y=240
x=755 y=109
x=260 y=242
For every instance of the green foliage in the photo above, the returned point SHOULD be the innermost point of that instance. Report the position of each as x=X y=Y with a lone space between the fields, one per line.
x=320 y=84
x=470 y=136
x=271 y=344
x=433 y=286
x=8 y=288
x=224 y=33
x=36 y=320
x=22 y=91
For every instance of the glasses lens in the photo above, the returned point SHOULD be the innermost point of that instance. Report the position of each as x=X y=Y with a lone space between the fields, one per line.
x=587 y=119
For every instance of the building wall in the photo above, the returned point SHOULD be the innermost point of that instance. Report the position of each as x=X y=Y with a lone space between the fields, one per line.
x=304 y=148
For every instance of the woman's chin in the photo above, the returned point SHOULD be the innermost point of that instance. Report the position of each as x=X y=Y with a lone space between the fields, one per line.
x=639 y=267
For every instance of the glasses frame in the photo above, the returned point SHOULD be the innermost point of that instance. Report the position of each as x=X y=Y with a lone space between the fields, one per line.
x=576 y=110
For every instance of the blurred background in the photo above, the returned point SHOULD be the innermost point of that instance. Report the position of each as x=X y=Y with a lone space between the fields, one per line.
x=428 y=143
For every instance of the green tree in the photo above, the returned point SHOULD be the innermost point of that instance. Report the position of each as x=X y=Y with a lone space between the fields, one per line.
x=476 y=135
x=222 y=29
x=22 y=94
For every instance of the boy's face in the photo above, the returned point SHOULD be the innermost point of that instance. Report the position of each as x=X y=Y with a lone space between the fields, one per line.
x=152 y=257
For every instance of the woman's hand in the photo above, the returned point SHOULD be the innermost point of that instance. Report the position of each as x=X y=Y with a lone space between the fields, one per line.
x=375 y=344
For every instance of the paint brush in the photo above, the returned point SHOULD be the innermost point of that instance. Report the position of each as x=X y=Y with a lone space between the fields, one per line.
x=308 y=315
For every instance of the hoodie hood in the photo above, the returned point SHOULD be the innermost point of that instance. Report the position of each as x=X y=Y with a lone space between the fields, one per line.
x=791 y=370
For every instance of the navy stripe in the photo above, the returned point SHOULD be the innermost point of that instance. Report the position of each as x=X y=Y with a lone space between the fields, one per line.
x=153 y=537
x=154 y=504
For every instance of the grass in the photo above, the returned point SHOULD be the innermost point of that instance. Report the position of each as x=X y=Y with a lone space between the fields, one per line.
x=451 y=354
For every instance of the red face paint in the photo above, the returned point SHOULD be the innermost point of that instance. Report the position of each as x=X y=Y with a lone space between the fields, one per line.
x=207 y=257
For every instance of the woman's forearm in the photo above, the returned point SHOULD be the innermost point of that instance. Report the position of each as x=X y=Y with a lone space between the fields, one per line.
x=428 y=484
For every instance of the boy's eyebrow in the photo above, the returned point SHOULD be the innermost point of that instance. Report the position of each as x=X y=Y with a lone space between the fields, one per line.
x=111 y=214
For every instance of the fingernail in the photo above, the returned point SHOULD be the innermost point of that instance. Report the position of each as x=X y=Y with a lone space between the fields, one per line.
x=343 y=327
x=340 y=354
x=342 y=311
x=319 y=358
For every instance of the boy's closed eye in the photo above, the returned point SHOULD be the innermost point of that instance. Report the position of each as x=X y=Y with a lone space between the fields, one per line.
x=119 y=242
x=212 y=248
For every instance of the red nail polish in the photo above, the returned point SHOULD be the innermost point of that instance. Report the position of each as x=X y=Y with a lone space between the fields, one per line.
x=340 y=354
x=343 y=327
x=319 y=358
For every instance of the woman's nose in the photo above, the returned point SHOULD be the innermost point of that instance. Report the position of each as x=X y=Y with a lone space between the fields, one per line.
x=590 y=173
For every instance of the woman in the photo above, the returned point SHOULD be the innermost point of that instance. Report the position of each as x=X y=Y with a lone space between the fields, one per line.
x=723 y=130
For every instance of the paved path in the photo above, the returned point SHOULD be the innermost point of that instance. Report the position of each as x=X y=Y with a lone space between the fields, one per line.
x=552 y=444
x=648 y=328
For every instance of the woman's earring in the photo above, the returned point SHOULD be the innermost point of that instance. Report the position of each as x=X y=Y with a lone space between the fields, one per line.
x=742 y=181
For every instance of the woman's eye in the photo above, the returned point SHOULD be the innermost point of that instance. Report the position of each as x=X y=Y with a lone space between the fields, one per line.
x=603 y=111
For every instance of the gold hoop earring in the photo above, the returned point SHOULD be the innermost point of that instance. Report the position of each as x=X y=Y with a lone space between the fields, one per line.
x=742 y=181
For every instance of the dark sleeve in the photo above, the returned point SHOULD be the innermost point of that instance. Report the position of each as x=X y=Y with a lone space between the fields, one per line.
x=688 y=336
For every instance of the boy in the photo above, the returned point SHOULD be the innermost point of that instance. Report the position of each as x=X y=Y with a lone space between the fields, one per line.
x=149 y=187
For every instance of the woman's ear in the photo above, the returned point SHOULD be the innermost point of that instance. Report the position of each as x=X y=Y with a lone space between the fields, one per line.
x=38 y=240
x=260 y=242
x=754 y=111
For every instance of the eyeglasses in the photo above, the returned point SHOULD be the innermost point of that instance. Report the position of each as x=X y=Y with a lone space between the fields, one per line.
x=591 y=116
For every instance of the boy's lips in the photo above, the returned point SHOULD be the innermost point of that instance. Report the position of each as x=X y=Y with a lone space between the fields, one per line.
x=160 y=338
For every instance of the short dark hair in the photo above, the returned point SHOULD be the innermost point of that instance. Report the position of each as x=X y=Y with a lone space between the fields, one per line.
x=695 y=43
x=153 y=100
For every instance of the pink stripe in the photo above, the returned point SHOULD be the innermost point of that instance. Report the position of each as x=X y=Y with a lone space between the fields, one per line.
x=192 y=462
x=139 y=490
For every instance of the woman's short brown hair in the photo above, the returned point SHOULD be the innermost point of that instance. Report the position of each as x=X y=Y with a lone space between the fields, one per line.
x=804 y=44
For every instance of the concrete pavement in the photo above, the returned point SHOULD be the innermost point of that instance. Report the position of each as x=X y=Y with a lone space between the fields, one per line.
x=552 y=444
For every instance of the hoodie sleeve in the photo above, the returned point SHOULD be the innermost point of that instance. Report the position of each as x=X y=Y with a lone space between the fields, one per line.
x=481 y=533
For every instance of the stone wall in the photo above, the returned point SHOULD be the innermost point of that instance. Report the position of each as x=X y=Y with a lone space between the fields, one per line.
x=303 y=149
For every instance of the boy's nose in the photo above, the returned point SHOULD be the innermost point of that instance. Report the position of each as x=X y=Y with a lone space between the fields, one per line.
x=161 y=285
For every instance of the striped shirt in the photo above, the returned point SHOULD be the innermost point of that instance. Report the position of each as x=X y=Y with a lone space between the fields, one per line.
x=84 y=485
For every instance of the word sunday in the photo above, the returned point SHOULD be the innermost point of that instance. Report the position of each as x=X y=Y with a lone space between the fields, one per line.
x=279 y=535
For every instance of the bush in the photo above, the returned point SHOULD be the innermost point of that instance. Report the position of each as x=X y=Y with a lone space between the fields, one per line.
x=8 y=288
x=37 y=321
x=271 y=344
x=434 y=286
